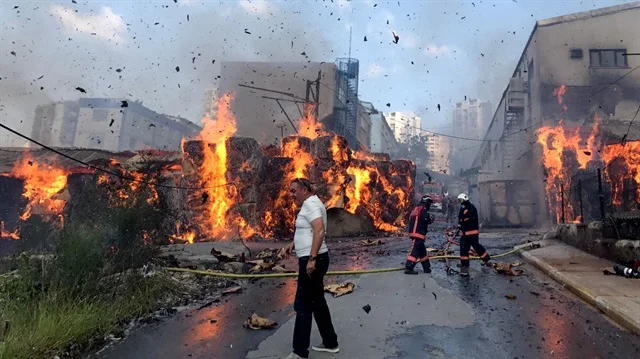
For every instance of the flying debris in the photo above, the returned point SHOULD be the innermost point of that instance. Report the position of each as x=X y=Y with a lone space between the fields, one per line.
x=396 y=38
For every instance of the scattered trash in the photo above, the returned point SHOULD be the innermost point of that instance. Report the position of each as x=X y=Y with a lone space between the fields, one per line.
x=257 y=322
x=511 y=296
x=535 y=293
x=396 y=38
x=224 y=256
x=507 y=268
x=281 y=269
x=284 y=252
x=368 y=242
x=232 y=290
x=339 y=290
x=81 y=89
x=213 y=321
x=439 y=251
x=367 y=308
x=260 y=265
x=266 y=254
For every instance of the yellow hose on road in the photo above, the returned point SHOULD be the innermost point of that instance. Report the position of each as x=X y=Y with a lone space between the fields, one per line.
x=337 y=272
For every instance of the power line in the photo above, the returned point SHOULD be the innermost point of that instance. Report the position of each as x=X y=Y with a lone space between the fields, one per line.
x=100 y=169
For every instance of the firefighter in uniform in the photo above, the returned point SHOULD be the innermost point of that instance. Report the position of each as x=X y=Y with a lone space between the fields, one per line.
x=419 y=220
x=470 y=232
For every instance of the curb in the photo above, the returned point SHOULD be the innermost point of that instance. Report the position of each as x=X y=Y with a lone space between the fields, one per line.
x=599 y=303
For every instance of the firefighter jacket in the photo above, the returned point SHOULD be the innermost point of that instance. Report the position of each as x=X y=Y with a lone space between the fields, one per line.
x=468 y=219
x=419 y=220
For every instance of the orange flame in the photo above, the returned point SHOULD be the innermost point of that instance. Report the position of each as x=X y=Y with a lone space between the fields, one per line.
x=308 y=126
x=627 y=163
x=42 y=182
x=559 y=94
x=10 y=235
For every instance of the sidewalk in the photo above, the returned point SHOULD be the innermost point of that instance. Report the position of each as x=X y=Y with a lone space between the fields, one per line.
x=618 y=297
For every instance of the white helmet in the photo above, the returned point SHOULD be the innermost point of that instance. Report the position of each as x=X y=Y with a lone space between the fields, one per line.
x=463 y=198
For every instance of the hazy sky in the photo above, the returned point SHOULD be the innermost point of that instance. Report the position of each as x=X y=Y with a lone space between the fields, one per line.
x=447 y=50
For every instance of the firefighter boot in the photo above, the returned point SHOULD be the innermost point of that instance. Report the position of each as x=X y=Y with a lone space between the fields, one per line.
x=408 y=267
x=426 y=266
x=464 y=271
x=485 y=260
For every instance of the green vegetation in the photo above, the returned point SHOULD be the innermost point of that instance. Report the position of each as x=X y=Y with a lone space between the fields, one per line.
x=67 y=299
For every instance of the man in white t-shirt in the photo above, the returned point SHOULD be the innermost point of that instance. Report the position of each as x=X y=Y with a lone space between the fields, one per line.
x=313 y=262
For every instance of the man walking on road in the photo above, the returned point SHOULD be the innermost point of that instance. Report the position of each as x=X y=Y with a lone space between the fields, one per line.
x=470 y=236
x=313 y=262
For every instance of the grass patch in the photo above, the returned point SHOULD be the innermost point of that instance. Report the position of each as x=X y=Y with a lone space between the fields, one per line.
x=57 y=323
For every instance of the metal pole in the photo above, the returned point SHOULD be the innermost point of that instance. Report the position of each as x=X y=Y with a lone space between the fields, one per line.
x=600 y=195
x=580 y=196
x=287 y=116
x=562 y=202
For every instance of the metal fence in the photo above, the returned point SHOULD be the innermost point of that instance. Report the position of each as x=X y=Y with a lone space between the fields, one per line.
x=589 y=197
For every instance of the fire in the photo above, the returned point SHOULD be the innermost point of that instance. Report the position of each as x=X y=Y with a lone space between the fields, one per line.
x=559 y=94
x=10 y=235
x=42 y=182
x=301 y=159
x=308 y=126
x=623 y=161
x=358 y=193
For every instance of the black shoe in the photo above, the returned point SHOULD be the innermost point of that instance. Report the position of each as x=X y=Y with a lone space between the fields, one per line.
x=464 y=271
x=410 y=271
x=485 y=261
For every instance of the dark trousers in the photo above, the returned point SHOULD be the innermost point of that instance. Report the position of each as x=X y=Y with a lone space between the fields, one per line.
x=466 y=242
x=418 y=253
x=310 y=302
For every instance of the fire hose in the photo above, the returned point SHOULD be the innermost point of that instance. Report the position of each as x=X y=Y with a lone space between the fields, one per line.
x=338 y=272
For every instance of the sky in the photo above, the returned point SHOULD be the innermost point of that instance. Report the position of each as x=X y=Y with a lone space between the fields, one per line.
x=446 y=50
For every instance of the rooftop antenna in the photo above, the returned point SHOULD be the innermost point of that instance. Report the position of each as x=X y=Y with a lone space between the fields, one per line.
x=350 y=33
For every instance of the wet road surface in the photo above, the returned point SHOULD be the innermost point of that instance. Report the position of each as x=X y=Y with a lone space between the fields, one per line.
x=424 y=316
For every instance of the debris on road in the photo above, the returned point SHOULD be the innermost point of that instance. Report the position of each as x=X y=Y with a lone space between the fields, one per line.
x=511 y=296
x=281 y=269
x=369 y=242
x=507 y=268
x=224 y=256
x=257 y=322
x=232 y=290
x=260 y=265
x=439 y=251
x=367 y=308
x=339 y=290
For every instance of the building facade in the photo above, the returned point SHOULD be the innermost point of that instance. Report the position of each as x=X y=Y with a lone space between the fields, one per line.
x=470 y=120
x=404 y=126
x=584 y=52
x=383 y=139
x=365 y=109
x=438 y=148
x=109 y=124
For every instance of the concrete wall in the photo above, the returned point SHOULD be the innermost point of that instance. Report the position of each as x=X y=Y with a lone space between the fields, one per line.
x=256 y=116
x=382 y=138
x=93 y=130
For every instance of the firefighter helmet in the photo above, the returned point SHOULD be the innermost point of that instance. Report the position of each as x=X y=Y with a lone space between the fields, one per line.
x=463 y=198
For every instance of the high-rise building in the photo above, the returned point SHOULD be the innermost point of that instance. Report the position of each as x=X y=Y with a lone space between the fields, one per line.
x=471 y=118
x=404 y=126
x=438 y=147
x=382 y=137
x=470 y=121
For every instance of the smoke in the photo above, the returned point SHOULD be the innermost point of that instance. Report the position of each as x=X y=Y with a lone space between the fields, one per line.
x=131 y=50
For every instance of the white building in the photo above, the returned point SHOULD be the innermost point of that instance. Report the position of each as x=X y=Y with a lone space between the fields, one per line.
x=404 y=126
x=438 y=147
x=382 y=136
x=470 y=120
x=109 y=124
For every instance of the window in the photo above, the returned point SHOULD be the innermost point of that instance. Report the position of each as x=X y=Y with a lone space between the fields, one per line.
x=610 y=58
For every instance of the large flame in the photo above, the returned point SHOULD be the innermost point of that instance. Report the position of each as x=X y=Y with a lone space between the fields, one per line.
x=309 y=126
x=623 y=161
x=220 y=197
x=42 y=182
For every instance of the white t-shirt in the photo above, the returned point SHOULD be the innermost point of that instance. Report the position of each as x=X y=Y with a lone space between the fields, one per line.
x=312 y=208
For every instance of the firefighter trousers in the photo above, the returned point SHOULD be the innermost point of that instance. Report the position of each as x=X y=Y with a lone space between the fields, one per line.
x=418 y=253
x=466 y=242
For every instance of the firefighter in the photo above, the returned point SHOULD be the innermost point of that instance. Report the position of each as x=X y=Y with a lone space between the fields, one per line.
x=419 y=220
x=470 y=232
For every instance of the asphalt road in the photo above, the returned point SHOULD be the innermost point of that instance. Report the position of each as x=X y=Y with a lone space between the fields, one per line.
x=424 y=316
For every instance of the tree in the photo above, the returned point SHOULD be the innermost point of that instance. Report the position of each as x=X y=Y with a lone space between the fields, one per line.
x=415 y=149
